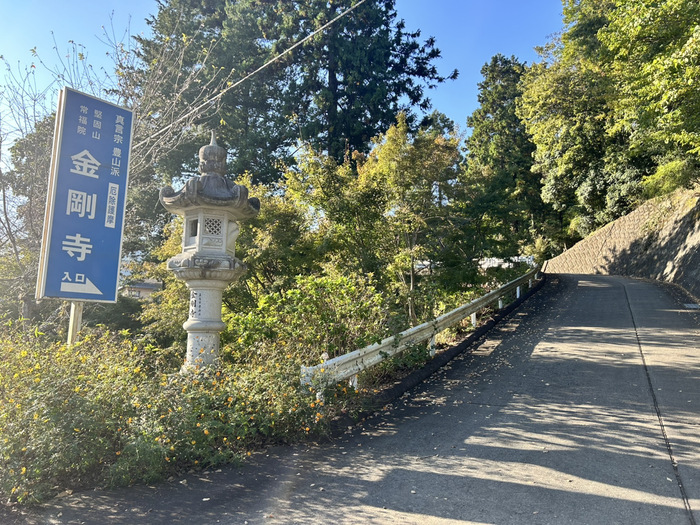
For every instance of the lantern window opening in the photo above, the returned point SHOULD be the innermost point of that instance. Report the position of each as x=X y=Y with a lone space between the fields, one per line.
x=192 y=231
x=212 y=226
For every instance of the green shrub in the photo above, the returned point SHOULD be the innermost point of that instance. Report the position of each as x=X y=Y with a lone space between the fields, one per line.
x=320 y=318
x=109 y=412
x=672 y=173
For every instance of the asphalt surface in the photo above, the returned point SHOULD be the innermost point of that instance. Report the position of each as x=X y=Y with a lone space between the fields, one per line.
x=583 y=406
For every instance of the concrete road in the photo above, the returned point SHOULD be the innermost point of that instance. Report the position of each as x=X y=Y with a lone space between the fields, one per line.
x=582 y=407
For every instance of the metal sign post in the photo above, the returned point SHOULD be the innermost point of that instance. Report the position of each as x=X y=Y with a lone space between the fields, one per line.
x=84 y=219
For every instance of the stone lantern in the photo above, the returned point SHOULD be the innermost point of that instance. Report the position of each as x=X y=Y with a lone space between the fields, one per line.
x=211 y=206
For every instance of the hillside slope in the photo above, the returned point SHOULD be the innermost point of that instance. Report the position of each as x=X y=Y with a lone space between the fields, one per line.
x=659 y=240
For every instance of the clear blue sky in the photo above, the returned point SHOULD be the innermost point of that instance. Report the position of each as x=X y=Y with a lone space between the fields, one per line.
x=468 y=32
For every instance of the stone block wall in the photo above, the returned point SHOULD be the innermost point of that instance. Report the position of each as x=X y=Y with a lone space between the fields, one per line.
x=659 y=240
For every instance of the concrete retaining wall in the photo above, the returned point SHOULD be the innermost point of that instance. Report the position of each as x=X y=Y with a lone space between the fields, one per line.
x=659 y=240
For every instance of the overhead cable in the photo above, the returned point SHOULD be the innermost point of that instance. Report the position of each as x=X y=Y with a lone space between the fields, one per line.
x=249 y=75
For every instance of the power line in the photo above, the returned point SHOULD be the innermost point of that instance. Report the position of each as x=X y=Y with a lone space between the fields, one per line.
x=249 y=75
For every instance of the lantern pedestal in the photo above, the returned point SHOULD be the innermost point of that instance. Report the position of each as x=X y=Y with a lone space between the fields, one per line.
x=206 y=281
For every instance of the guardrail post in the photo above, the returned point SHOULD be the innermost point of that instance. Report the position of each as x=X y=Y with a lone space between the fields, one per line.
x=432 y=347
x=500 y=303
x=518 y=292
x=529 y=284
x=474 y=319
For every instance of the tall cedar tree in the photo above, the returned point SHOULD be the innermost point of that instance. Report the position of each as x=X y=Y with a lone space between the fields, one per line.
x=503 y=192
x=335 y=92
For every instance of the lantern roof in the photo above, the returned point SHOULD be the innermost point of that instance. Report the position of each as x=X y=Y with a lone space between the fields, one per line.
x=210 y=188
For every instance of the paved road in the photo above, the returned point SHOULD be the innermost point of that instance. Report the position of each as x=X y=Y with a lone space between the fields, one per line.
x=584 y=407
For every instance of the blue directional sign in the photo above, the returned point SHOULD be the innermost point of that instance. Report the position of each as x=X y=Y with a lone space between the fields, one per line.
x=84 y=220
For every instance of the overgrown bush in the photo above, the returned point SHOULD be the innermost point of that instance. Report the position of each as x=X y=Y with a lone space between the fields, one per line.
x=113 y=410
x=321 y=317
x=109 y=412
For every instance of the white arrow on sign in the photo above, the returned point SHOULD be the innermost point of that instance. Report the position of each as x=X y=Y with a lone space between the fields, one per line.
x=86 y=287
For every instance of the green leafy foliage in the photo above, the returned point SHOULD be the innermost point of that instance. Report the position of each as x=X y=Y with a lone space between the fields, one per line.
x=23 y=192
x=655 y=49
x=502 y=194
x=388 y=213
x=320 y=316
x=109 y=412
x=589 y=175
x=654 y=53
x=673 y=171
x=613 y=108
x=162 y=317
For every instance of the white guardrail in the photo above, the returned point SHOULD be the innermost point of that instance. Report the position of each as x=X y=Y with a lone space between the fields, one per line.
x=349 y=365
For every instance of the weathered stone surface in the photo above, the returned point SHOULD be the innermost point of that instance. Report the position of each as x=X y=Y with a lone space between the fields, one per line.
x=211 y=188
x=211 y=206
